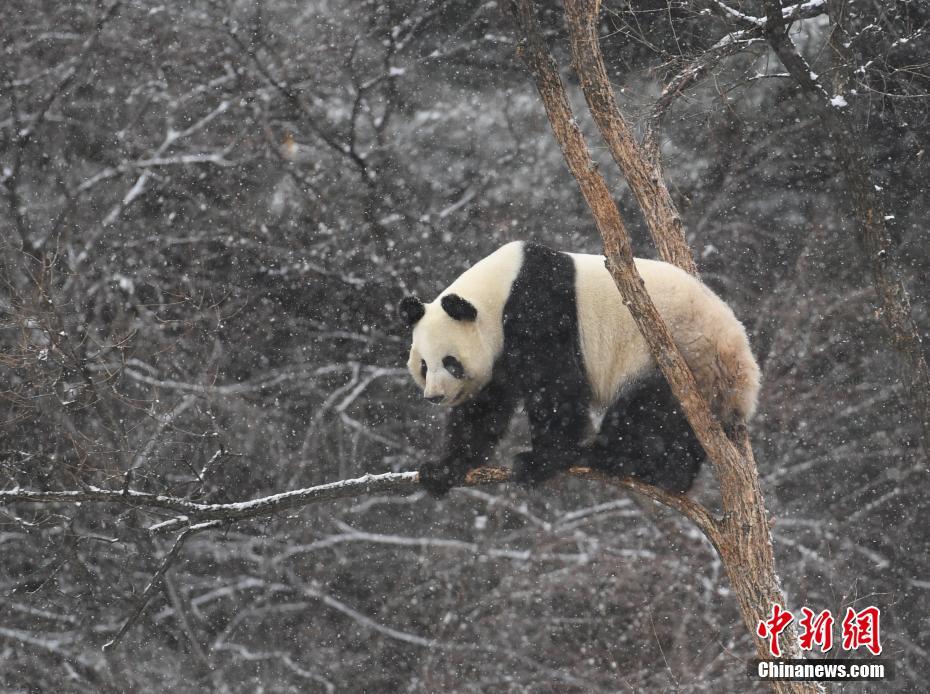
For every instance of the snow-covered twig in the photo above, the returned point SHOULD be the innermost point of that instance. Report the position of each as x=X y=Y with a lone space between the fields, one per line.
x=390 y=482
x=750 y=35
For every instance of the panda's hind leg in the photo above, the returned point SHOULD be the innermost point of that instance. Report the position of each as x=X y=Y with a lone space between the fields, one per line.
x=645 y=435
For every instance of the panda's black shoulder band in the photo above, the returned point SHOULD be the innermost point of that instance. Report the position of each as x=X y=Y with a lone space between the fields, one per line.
x=458 y=308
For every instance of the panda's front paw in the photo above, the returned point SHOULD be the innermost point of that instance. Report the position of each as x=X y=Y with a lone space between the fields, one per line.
x=438 y=478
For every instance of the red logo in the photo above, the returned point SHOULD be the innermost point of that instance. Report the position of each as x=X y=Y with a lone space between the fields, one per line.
x=859 y=629
x=771 y=628
x=816 y=630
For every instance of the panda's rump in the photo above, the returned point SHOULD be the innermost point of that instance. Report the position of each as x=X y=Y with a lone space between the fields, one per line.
x=711 y=339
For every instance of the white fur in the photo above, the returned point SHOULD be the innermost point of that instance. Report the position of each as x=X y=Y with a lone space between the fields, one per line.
x=710 y=337
x=477 y=344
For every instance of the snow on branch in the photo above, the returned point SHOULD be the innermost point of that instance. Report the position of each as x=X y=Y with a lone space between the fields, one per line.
x=751 y=33
x=190 y=513
x=196 y=517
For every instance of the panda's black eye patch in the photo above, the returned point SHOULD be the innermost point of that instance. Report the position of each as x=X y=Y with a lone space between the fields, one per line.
x=423 y=368
x=454 y=367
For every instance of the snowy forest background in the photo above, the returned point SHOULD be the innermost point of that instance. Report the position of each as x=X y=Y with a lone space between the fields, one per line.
x=209 y=212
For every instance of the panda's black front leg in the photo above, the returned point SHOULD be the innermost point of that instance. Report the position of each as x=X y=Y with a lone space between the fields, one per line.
x=473 y=430
x=558 y=423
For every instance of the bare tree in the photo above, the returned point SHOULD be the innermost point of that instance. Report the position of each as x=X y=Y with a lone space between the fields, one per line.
x=871 y=218
x=741 y=535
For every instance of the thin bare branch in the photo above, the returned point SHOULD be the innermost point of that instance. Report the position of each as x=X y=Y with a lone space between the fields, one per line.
x=751 y=35
x=871 y=219
x=156 y=580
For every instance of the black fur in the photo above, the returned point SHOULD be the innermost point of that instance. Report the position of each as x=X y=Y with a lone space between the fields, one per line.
x=458 y=308
x=411 y=310
x=473 y=430
x=644 y=433
x=542 y=362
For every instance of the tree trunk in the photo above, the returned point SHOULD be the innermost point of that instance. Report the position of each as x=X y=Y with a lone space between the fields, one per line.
x=742 y=536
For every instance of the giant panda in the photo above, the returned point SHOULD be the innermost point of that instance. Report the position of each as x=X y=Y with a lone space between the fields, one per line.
x=549 y=329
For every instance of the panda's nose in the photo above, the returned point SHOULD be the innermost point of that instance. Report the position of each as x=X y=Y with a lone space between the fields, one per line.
x=435 y=399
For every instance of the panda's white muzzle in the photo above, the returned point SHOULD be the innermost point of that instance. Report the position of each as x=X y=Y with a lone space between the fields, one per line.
x=445 y=399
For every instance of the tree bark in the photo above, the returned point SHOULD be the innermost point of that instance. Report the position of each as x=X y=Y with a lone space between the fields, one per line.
x=742 y=535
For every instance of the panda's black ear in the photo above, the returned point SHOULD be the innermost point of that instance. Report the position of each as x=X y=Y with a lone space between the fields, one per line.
x=458 y=308
x=411 y=310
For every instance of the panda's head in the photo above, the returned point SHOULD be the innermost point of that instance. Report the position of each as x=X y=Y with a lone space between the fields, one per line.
x=451 y=357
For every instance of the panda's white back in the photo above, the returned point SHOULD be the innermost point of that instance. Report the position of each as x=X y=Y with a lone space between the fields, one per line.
x=712 y=340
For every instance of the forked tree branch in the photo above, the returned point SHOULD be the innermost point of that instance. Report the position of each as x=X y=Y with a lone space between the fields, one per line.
x=156 y=580
x=641 y=168
x=613 y=231
x=751 y=34
x=198 y=517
